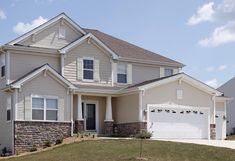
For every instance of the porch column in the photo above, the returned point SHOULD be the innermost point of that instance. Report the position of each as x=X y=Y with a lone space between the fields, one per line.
x=79 y=123
x=213 y=122
x=79 y=114
x=108 y=122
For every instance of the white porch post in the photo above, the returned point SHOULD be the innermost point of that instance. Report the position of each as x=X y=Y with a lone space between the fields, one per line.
x=214 y=109
x=140 y=117
x=109 y=115
x=79 y=112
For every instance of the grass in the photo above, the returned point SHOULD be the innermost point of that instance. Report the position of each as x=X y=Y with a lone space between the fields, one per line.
x=231 y=137
x=128 y=150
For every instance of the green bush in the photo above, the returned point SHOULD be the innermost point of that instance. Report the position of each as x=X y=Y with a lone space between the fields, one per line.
x=33 y=148
x=144 y=135
x=4 y=151
x=47 y=143
x=59 y=141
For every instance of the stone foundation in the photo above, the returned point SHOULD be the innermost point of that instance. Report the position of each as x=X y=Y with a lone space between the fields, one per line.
x=212 y=131
x=108 y=128
x=78 y=126
x=130 y=129
x=28 y=134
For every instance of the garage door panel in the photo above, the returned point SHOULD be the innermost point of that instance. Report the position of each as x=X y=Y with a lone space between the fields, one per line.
x=178 y=123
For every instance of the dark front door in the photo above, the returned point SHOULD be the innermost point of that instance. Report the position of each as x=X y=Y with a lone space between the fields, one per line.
x=90 y=117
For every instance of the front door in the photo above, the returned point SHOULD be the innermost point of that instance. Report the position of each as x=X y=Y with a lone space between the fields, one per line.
x=90 y=116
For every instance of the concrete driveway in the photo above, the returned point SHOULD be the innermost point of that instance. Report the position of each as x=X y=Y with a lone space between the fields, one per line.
x=216 y=143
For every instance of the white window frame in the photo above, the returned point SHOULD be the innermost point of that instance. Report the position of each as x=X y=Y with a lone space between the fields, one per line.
x=168 y=69
x=2 y=63
x=61 y=30
x=93 y=70
x=122 y=73
x=179 y=94
x=44 y=107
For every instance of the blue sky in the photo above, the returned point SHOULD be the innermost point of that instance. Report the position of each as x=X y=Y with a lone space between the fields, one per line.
x=200 y=34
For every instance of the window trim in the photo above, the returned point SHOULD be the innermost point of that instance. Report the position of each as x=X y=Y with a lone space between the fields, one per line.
x=3 y=63
x=122 y=73
x=88 y=58
x=45 y=97
x=59 y=31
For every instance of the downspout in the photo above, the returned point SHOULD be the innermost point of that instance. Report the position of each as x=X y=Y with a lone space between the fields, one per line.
x=71 y=112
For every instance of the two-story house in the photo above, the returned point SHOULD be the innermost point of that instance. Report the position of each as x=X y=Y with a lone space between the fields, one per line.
x=60 y=79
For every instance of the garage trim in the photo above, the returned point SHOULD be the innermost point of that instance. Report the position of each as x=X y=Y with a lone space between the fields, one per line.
x=176 y=106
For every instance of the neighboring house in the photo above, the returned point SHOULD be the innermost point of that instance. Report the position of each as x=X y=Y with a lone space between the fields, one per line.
x=60 y=79
x=229 y=90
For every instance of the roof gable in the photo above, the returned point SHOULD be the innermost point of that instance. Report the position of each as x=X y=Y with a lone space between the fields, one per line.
x=62 y=19
x=87 y=37
x=34 y=73
x=177 y=77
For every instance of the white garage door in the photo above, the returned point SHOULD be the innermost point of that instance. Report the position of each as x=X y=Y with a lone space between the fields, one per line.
x=178 y=123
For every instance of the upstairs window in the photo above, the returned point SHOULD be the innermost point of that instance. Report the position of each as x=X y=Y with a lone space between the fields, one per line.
x=3 y=71
x=9 y=108
x=122 y=73
x=168 y=72
x=3 y=68
x=88 y=69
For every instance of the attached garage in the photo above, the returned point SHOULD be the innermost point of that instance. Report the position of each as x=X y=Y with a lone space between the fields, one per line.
x=178 y=122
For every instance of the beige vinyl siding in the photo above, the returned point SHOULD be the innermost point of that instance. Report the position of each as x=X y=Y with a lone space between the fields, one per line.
x=48 y=38
x=125 y=108
x=43 y=86
x=166 y=94
x=87 y=50
x=219 y=106
x=142 y=73
x=21 y=64
x=5 y=126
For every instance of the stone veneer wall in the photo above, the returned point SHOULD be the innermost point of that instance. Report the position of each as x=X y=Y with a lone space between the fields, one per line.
x=29 y=133
x=130 y=129
x=212 y=131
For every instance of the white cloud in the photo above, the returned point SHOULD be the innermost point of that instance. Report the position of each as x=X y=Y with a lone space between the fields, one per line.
x=21 y=27
x=210 y=69
x=2 y=15
x=221 y=35
x=204 y=13
x=222 y=67
x=212 y=82
x=217 y=69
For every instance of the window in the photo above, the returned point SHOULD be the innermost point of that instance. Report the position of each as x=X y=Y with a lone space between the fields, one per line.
x=44 y=109
x=8 y=114
x=179 y=94
x=122 y=73
x=2 y=57
x=88 y=69
x=168 y=72
x=3 y=71
x=62 y=33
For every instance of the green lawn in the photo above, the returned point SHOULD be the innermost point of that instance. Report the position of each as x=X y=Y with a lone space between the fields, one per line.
x=127 y=150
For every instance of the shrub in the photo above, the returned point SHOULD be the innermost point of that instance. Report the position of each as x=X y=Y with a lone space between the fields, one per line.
x=144 y=135
x=59 y=141
x=4 y=151
x=47 y=143
x=33 y=148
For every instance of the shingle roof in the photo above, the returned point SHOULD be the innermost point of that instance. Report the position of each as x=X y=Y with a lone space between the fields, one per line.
x=151 y=81
x=128 y=50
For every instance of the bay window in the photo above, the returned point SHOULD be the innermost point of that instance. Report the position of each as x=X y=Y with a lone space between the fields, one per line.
x=44 y=109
